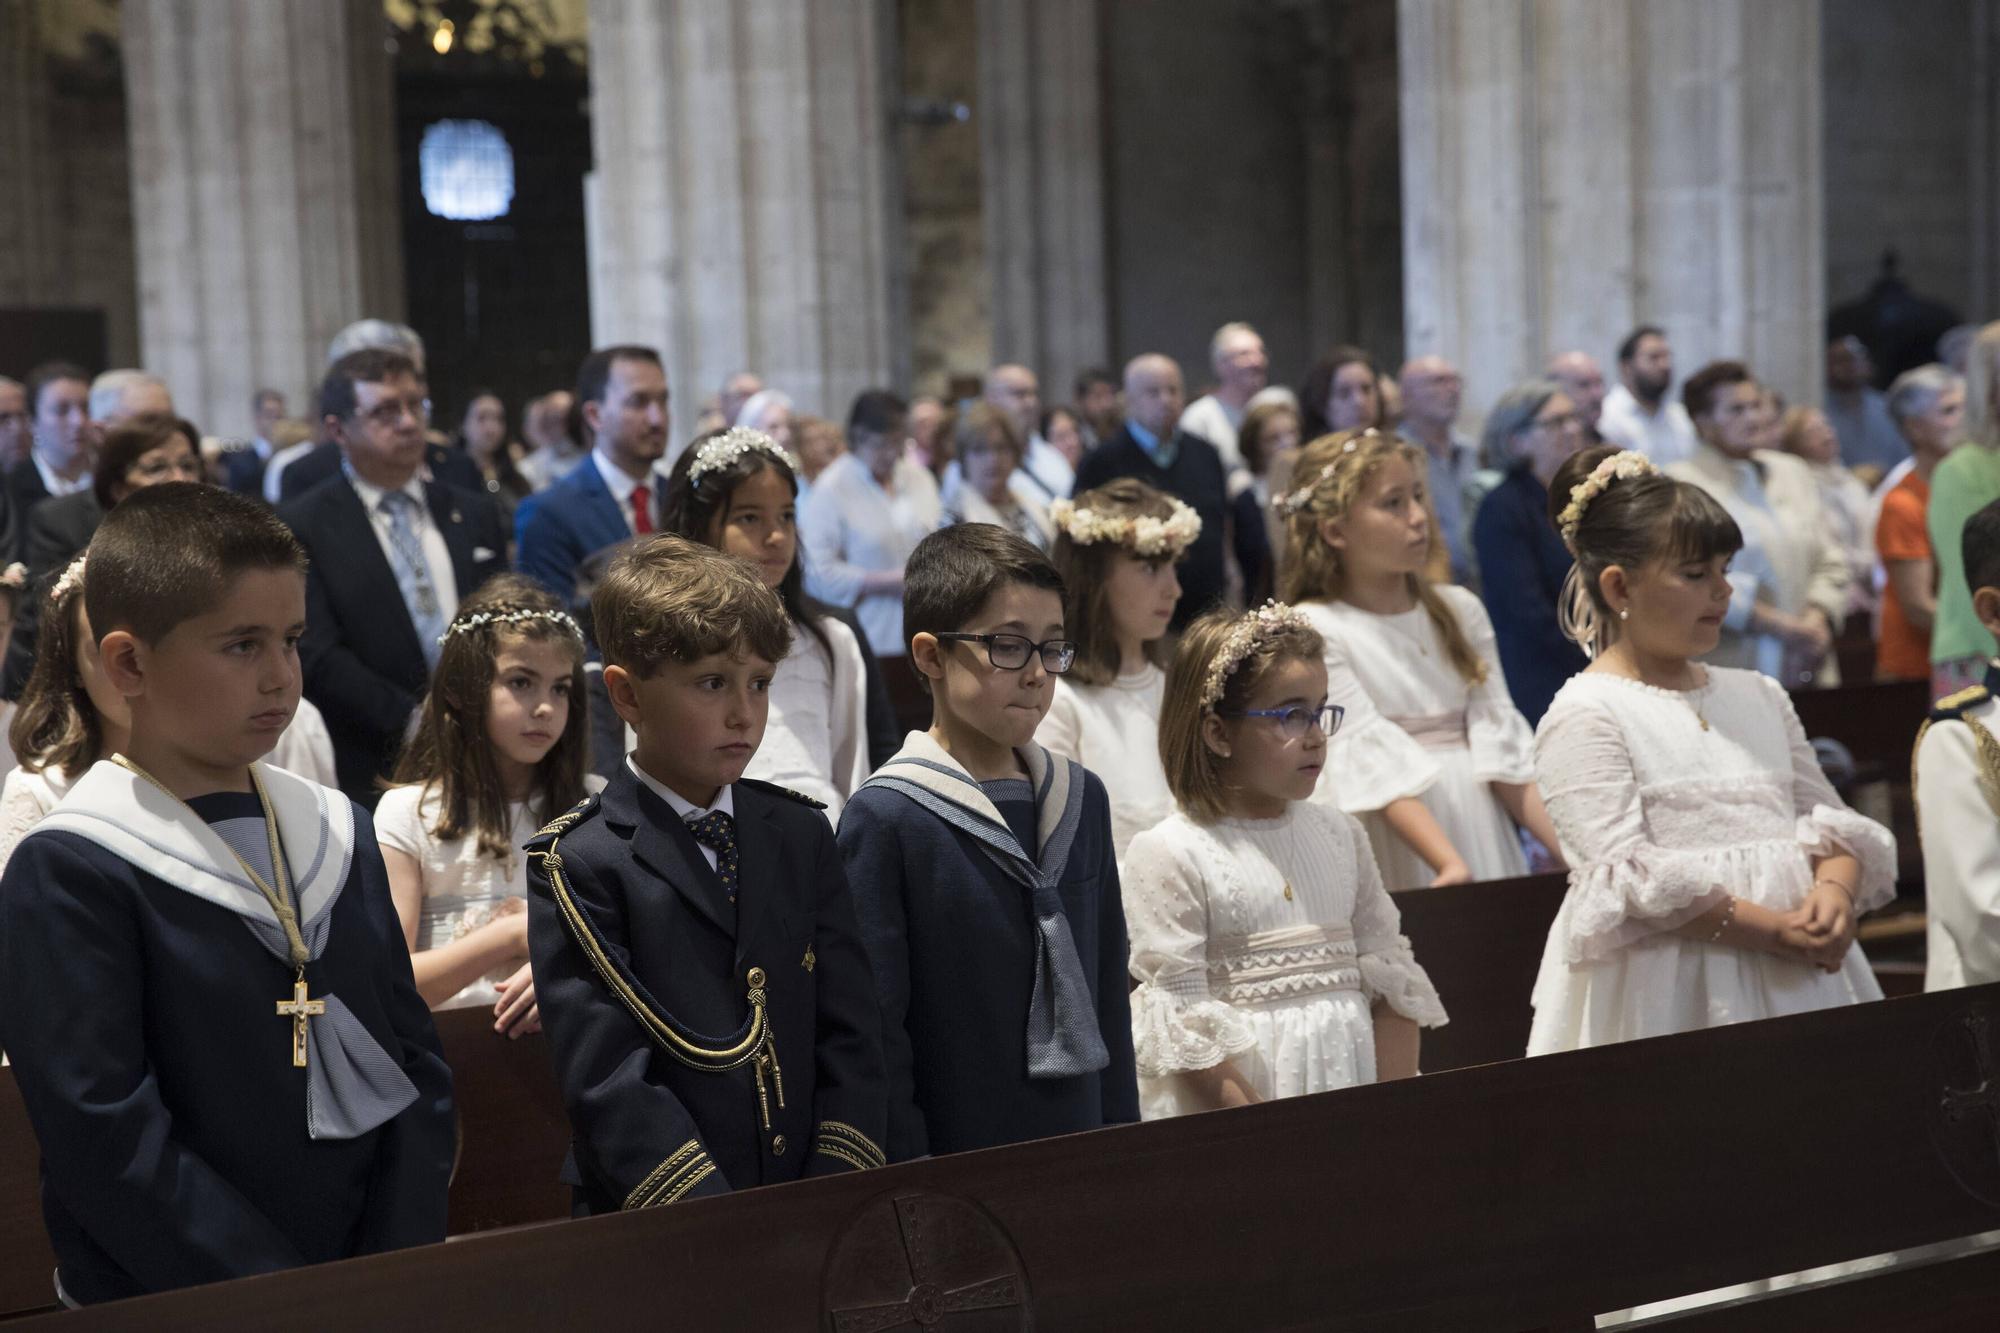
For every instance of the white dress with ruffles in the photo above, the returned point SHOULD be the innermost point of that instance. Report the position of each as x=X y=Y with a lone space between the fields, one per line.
x=1114 y=731
x=1414 y=727
x=1230 y=967
x=1660 y=820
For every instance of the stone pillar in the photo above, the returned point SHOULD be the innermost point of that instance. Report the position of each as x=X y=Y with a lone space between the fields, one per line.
x=264 y=192
x=741 y=211
x=1042 y=186
x=26 y=204
x=1574 y=167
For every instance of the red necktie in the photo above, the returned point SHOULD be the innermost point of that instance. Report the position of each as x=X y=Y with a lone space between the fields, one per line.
x=642 y=510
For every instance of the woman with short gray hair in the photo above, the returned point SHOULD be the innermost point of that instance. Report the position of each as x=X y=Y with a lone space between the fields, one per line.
x=1928 y=406
x=1522 y=562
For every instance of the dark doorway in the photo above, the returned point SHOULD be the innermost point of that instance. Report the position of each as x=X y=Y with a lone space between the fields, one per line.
x=502 y=302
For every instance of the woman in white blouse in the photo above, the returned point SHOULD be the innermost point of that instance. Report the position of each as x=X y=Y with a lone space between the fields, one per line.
x=988 y=448
x=869 y=510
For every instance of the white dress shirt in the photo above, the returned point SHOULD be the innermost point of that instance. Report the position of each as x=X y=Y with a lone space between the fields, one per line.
x=690 y=813
x=853 y=528
x=437 y=556
x=1219 y=424
x=1666 y=436
x=54 y=484
x=621 y=487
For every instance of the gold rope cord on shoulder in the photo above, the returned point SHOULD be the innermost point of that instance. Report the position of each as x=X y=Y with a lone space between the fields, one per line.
x=1989 y=764
x=755 y=1043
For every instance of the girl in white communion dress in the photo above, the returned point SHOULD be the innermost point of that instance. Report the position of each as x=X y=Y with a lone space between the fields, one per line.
x=1270 y=961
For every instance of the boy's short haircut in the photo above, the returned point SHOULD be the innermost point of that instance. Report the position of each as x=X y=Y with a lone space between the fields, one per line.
x=170 y=552
x=1980 y=546
x=667 y=598
x=954 y=570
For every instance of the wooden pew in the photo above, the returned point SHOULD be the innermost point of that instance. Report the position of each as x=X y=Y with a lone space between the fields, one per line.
x=1878 y=722
x=512 y=1137
x=1482 y=945
x=1525 y=1195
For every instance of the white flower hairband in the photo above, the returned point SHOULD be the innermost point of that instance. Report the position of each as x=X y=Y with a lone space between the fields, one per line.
x=1146 y=536
x=1273 y=617
x=1623 y=465
x=15 y=576
x=71 y=577
x=466 y=624
x=1293 y=501
x=732 y=444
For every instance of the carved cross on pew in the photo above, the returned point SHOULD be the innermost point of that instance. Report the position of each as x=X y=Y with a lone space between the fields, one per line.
x=299 y=1009
x=1961 y=1102
x=930 y=1304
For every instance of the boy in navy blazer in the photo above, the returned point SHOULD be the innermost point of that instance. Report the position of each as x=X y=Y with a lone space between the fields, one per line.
x=700 y=977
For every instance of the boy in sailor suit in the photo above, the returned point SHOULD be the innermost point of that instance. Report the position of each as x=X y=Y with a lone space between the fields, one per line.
x=1957 y=781
x=706 y=996
x=202 y=979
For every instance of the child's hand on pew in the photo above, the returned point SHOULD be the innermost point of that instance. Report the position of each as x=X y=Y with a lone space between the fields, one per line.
x=517 y=1014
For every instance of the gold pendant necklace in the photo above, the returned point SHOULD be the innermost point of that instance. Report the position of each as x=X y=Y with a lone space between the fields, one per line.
x=298 y=1008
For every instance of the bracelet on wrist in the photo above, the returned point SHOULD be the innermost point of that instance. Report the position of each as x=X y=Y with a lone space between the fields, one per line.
x=1723 y=923
x=1847 y=889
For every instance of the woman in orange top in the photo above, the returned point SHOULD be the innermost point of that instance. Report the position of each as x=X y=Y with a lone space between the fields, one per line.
x=1928 y=404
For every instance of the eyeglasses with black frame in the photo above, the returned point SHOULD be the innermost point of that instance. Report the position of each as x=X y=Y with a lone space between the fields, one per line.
x=1010 y=652
x=1294 y=721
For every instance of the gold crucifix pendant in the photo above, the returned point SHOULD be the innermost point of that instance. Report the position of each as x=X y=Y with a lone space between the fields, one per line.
x=299 y=1009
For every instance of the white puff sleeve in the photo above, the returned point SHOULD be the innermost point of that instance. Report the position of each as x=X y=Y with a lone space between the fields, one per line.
x=1827 y=826
x=1176 y=1025
x=1501 y=741
x=1375 y=761
x=1390 y=972
x=1622 y=886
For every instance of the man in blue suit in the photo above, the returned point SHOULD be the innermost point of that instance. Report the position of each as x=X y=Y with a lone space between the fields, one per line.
x=609 y=496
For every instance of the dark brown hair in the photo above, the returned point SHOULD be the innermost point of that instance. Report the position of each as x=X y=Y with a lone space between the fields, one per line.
x=1334 y=472
x=1703 y=387
x=1256 y=423
x=1086 y=571
x=1319 y=383
x=55 y=724
x=370 y=365
x=170 y=552
x=129 y=441
x=1633 y=522
x=693 y=509
x=666 y=598
x=954 y=570
x=451 y=754
x=1193 y=775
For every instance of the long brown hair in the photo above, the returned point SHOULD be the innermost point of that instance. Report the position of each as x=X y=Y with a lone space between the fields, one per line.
x=450 y=752
x=1333 y=472
x=55 y=725
x=1086 y=571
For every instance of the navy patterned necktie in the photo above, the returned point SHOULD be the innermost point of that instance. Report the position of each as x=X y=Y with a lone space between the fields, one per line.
x=717 y=830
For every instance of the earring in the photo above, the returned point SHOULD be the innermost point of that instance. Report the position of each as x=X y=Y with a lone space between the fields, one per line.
x=1624 y=613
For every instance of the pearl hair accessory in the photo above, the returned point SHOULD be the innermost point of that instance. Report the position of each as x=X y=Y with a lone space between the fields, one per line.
x=466 y=624
x=71 y=577
x=731 y=445
x=1271 y=618
x=1293 y=501
x=1146 y=536
x=1622 y=465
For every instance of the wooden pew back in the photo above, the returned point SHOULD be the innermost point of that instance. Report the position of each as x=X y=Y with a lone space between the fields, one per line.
x=1513 y=1196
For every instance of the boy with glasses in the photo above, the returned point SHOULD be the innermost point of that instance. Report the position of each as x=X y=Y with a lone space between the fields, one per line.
x=984 y=873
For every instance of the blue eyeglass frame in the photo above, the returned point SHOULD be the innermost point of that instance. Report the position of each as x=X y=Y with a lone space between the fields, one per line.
x=1312 y=714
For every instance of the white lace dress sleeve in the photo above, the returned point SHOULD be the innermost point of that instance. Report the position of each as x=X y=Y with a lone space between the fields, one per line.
x=1501 y=741
x=24 y=799
x=1390 y=972
x=1372 y=760
x=1176 y=1025
x=1827 y=826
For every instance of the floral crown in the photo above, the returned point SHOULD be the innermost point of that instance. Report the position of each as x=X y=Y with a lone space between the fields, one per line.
x=718 y=453
x=15 y=576
x=1270 y=619
x=1291 y=502
x=1622 y=465
x=72 y=577
x=465 y=624
x=1146 y=536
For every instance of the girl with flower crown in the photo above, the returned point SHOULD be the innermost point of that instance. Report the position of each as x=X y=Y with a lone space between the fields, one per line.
x=737 y=490
x=499 y=751
x=1117 y=547
x=1270 y=960
x=1715 y=876
x=1434 y=759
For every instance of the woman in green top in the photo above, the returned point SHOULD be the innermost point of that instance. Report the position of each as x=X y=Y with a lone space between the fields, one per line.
x=1965 y=482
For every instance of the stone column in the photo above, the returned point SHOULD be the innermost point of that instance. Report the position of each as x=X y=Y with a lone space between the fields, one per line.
x=1042 y=186
x=1574 y=167
x=26 y=202
x=264 y=191
x=741 y=213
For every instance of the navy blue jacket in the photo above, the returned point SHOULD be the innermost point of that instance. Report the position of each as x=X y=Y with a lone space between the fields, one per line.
x=557 y=530
x=161 y=1088
x=1522 y=565
x=953 y=941
x=623 y=885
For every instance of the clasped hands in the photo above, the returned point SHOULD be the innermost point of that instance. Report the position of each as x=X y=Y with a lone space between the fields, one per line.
x=1819 y=930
